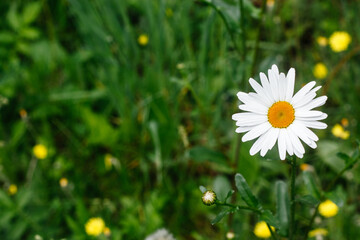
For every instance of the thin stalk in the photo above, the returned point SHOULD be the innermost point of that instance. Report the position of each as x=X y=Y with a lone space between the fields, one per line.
x=238 y=207
x=292 y=199
x=311 y=222
x=273 y=235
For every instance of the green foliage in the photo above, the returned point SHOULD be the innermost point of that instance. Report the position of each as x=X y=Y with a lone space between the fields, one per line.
x=135 y=129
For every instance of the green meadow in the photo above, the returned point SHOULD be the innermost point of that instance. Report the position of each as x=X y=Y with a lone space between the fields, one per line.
x=116 y=117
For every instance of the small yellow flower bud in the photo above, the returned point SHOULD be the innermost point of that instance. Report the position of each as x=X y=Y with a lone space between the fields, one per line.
x=63 y=182
x=261 y=230
x=339 y=41
x=322 y=41
x=107 y=231
x=209 y=197
x=94 y=226
x=338 y=131
x=143 y=39
x=40 y=151
x=328 y=209
x=318 y=232
x=320 y=71
x=12 y=189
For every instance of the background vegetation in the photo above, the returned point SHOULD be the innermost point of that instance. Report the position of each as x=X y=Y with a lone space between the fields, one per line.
x=135 y=127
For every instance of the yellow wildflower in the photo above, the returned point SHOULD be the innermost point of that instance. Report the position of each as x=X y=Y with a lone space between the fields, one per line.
x=12 y=189
x=40 y=151
x=305 y=167
x=339 y=41
x=143 y=39
x=23 y=113
x=63 y=182
x=320 y=71
x=344 y=122
x=261 y=230
x=318 y=232
x=340 y=132
x=108 y=161
x=322 y=41
x=94 y=226
x=270 y=3
x=107 y=231
x=328 y=209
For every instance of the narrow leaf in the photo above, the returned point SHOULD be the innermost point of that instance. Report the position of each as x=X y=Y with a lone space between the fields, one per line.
x=309 y=200
x=310 y=184
x=245 y=192
x=220 y=216
x=282 y=207
x=269 y=218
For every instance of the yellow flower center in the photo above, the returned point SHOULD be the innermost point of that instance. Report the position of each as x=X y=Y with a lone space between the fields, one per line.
x=281 y=114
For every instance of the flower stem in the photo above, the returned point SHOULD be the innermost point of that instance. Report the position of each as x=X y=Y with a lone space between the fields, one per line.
x=273 y=235
x=292 y=199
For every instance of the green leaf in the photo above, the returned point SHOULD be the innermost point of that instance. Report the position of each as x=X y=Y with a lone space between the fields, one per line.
x=282 y=207
x=310 y=184
x=202 y=189
x=202 y=154
x=7 y=37
x=269 y=218
x=221 y=215
x=29 y=33
x=309 y=200
x=245 y=192
x=5 y=200
x=221 y=186
x=230 y=193
x=13 y=18
x=31 y=11
x=344 y=156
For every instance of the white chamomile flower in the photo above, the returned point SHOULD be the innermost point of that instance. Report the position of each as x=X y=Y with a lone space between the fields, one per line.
x=273 y=113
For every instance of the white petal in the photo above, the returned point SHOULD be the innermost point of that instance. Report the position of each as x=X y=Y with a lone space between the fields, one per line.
x=282 y=144
x=254 y=107
x=256 y=131
x=247 y=115
x=290 y=77
x=275 y=70
x=306 y=99
x=308 y=113
x=302 y=92
x=296 y=128
x=273 y=85
x=298 y=154
x=243 y=129
x=266 y=86
x=315 y=124
x=321 y=117
x=310 y=134
x=243 y=97
x=261 y=98
x=282 y=86
x=273 y=135
x=258 y=144
x=317 y=102
x=289 y=146
x=250 y=122
x=298 y=147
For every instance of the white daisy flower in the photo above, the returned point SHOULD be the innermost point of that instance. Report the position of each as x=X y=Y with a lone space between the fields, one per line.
x=273 y=113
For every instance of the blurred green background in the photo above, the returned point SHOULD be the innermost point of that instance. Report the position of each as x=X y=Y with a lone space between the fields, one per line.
x=133 y=99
